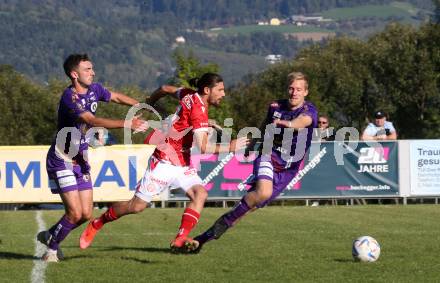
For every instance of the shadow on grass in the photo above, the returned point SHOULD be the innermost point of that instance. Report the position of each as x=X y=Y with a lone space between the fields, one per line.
x=144 y=261
x=75 y=257
x=11 y=256
x=141 y=249
x=15 y=256
x=343 y=260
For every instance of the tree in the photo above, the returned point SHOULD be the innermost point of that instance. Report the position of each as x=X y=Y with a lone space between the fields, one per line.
x=28 y=111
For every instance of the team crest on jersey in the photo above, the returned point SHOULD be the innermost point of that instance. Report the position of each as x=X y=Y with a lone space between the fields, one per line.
x=187 y=101
x=151 y=188
x=203 y=109
x=80 y=106
x=75 y=97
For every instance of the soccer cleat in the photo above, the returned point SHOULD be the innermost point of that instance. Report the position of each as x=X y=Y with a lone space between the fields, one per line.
x=50 y=256
x=87 y=236
x=44 y=238
x=178 y=245
x=193 y=246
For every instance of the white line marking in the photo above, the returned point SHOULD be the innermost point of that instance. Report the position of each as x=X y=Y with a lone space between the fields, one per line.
x=38 y=271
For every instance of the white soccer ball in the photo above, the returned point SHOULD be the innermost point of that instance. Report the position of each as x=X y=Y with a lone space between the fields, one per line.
x=366 y=249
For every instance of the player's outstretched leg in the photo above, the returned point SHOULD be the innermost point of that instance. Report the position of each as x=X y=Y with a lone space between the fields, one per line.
x=94 y=226
x=198 y=195
x=116 y=211
x=189 y=220
x=219 y=228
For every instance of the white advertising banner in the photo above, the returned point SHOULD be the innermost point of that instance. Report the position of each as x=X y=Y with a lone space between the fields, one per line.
x=115 y=172
x=425 y=167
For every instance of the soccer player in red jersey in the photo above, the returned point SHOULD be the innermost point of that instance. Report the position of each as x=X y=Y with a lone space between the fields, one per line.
x=169 y=166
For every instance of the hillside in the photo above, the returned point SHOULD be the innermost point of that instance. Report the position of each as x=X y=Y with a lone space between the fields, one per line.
x=131 y=42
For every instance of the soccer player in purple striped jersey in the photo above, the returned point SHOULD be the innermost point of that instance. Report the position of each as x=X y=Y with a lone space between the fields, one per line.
x=66 y=163
x=288 y=132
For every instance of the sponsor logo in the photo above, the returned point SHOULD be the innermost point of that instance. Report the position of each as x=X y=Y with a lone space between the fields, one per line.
x=368 y=188
x=277 y=115
x=191 y=171
x=155 y=180
x=94 y=106
x=373 y=160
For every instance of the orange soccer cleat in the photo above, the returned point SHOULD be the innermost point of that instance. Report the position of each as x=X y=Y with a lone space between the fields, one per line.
x=87 y=236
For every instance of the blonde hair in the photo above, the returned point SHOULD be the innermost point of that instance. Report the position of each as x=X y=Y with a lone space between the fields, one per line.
x=298 y=76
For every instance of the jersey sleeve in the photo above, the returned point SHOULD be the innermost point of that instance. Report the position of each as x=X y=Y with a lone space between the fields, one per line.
x=310 y=110
x=72 y=103
x=182 y=92
x=102 y=93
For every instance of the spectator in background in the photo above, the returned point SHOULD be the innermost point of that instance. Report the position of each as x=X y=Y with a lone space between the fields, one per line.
x=324 y=132
x=381 y=129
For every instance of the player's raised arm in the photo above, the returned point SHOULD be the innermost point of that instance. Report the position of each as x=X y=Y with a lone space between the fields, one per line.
x=161 y=92
x=136 y=124
x=301 y=122
x=122 y=99
x=202 y=142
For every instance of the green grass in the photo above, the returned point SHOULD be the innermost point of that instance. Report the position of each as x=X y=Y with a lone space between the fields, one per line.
x=276 y=244
x=398 y=9
x=254 y=28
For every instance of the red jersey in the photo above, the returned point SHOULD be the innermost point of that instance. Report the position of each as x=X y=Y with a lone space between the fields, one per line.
x=191 y=116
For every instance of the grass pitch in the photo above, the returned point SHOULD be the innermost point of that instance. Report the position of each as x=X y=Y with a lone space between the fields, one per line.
x=277 y=244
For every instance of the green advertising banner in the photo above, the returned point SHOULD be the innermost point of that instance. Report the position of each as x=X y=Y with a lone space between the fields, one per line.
x=330 y=169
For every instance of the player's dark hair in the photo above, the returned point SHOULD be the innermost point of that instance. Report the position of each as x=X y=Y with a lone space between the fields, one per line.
x=207 y=80
x=73 y=61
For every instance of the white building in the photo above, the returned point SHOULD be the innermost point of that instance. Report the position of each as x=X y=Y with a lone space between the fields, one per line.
x=273 y=58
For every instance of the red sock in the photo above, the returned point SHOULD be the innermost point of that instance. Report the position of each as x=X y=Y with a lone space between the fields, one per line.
x=190 y=218
x=107 y=216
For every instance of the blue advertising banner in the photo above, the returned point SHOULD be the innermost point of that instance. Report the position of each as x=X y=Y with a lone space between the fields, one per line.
x=330 y=169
